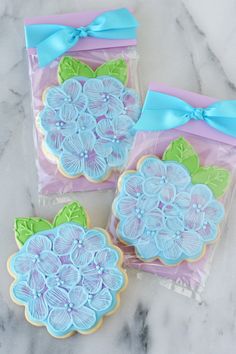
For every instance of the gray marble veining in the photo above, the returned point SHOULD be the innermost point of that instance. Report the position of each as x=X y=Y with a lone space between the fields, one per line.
x=192 y=45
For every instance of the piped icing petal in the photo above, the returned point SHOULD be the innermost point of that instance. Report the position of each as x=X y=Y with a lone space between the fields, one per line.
x=38 y=308
x=101 y=301
x=59 y=320
x=107 y=257
x=22 y=291
x=72 y=88
x=38 y=244
x=84 y=318
x=112 y=86
x=78 y=296
x=23 y=263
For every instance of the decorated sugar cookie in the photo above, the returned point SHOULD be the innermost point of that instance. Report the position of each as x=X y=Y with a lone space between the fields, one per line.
x=87 y=120
x=67 y=276
x=167 y=209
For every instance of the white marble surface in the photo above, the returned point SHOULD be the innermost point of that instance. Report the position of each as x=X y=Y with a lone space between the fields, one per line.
x=190 y=44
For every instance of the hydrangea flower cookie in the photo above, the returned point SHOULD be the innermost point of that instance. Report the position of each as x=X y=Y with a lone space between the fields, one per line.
x=67 y=276
x=87 y=119
x=167 y=209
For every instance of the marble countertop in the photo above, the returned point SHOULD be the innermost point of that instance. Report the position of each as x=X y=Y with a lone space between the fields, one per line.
x=190 y=44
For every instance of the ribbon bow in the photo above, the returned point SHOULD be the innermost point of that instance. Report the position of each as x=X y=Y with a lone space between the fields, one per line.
x=163 y=112
x=51 y=41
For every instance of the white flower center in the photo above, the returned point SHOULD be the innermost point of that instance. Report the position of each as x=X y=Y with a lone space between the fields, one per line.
x=68 y=99
x=105 y=97
x=139 y=213
x=115 y=139
x=36 y=294
x=60 y=124
x=84 y=154
x=36 y=258
x=163 y=179
x=78 y=243
x=69 y=306
x=197 y=207
x=151 y=233
x=177 y=235
x=59 y=281
x=99 y=269
x=204 y=226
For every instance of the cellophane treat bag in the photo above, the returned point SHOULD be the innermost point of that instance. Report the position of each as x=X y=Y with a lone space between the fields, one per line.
x=173 y=198
x=85 y=97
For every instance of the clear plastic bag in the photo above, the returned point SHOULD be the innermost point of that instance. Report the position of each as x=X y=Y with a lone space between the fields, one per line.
x=93 y=52
x=186 y=277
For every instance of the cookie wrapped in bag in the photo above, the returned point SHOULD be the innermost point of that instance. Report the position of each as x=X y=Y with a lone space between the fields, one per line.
x=85 y=97
x=174 y=196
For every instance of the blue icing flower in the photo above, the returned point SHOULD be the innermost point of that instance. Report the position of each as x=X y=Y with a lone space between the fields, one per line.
x=203 y=208
x=104 y=96
x=80 y=156
x=116 y=139
x=64 y=123
x=38 y=256
x=67 y=276
x=137 y=211
x=163 y=215
x=164 y=179
x=68 y=96
x=68 y=309
x=88 y=125
x=100 y=301
x=146 y=246
x=102 y=272
x=85 y=122
x=77 y=285
x=176 y=243
x=81 y=245
x=32 y=293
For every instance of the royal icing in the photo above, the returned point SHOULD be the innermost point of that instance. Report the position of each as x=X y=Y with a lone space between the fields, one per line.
x=163 y=212
x=87 y=125
x=68 y=278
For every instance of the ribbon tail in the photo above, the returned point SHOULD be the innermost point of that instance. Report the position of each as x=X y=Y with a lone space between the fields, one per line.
x=221 y=115
x=163 y=112
x=160 y=119
x=55 y=45
x=226 y=125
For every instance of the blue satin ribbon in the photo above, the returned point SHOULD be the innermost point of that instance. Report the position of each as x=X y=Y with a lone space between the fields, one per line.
x=51 y=41
x=163 y=112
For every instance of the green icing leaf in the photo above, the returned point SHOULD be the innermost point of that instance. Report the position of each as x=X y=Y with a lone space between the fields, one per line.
x=217 y=179
x=182 y=151
x=70 y=67
x=117 y=68
x=72 y=212
x=26 y=227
